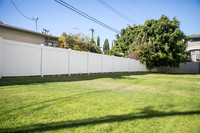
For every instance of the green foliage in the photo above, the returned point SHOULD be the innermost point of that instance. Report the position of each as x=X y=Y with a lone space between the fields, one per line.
x=98 y=41
x=106 y=47
x=95 y=49
x=157 y=42
x=78 y=42
x=125 y=39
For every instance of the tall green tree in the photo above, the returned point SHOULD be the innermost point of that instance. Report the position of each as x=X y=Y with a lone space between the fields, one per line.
x=106 y=47
x=156 y=43
x=126 y=37
x=98 y=41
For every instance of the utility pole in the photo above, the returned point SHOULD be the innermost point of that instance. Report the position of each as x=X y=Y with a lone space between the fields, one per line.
x=92 y=33
x=35 y=19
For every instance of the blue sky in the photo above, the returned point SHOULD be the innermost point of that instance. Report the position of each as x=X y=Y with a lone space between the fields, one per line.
x=58 y=19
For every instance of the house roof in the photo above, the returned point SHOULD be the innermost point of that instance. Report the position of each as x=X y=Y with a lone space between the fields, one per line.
x=26 y=31
x=194 y=36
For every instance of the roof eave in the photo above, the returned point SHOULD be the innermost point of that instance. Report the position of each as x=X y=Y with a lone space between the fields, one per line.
x=27 y=31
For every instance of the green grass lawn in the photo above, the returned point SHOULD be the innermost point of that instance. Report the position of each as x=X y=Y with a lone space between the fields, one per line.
x=120 y=102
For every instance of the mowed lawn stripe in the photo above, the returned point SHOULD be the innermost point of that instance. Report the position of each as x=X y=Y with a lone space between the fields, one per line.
x=119 y=102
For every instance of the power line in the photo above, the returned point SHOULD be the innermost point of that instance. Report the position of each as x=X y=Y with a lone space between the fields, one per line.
x=21 y=12
x=116 y=11
x=130 y=11
x=33 y=19
x=86 y=16
x=138 y=8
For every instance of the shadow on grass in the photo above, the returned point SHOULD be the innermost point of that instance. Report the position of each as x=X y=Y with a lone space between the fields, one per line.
x=146 y=113
x=36 y=80
x=48 y=103
x=39 y=80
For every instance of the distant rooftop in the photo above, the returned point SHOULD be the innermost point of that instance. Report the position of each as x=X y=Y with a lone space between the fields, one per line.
x=25 y=30
x=194 y=36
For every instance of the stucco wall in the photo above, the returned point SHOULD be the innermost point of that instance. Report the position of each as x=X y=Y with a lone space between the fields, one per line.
x=193 y=45
x=21 y=36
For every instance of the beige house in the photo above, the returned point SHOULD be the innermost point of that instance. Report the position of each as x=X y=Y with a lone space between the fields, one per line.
x=18 y=34
x=193 y=45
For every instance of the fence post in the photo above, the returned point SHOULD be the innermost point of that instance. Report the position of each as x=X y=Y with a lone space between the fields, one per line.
x=41 y=61
x=1 y=57
x=112 y=64
x=128 y=64
x=102 y=63
x=88 y=63
x=121 y=65
x=69 y=61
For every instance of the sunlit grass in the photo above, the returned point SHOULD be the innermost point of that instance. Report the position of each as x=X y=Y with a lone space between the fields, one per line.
x=120 y=102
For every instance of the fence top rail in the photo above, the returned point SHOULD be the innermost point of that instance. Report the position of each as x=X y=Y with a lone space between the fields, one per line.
x=25 y=44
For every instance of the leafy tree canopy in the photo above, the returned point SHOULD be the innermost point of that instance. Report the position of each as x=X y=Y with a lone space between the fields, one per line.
x=78 y=42
x=156 y=43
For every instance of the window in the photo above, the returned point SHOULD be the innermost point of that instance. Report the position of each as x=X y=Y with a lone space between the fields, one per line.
x=192 y=51
x=198 y=57
x=50 y=44
x=194 y=39
x=55 y=45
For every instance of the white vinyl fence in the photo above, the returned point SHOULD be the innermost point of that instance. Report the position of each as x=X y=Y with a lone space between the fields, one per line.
x=25 y=59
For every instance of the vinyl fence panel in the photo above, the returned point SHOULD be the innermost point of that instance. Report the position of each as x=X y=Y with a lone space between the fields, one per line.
x=26 y=59
x=125 y=65
x=107 y=63
x=55 y=61
x=78 y=63
x=117 y=64
x=95 y=63
x=21 y=59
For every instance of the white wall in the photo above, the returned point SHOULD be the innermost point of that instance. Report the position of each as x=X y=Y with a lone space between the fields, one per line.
x=55 y=61
x=107 y=63
x=117 y=64
x=25 y=59
x=20 y=59
x=193 y=45
x=125 y=65
x=1 y=56
x=78 y=62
